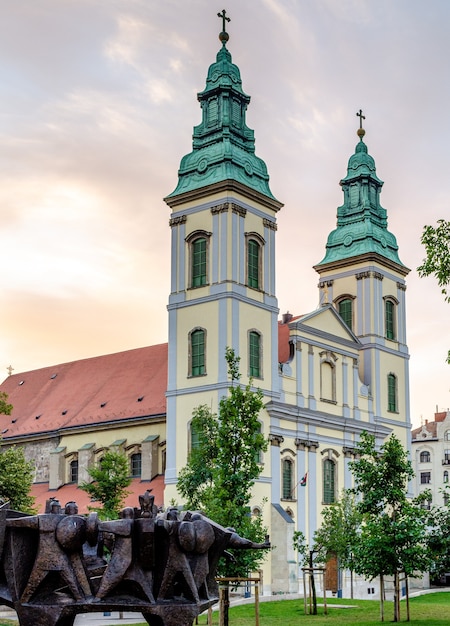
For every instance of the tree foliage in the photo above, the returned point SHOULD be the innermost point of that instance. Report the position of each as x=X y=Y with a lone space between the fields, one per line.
x=392 y=538
x=337 y=535
x=110 y=477
x=436 y=240
x=16 y=478
x=222 y=468
x=5 y=408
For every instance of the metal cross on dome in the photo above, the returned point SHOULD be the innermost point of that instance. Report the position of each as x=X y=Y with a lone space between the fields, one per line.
x=224 y=17
x=361 y=117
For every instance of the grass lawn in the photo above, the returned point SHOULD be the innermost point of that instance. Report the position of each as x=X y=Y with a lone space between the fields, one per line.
x=428 y=610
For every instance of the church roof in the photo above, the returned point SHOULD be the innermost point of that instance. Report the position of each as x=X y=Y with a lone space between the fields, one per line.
x=361 y=220
x=99 y=390
x=223 y=146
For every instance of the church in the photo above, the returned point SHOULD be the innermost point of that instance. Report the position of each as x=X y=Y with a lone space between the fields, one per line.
x=326 y=375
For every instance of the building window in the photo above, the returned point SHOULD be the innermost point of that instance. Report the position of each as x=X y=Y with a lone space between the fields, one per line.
x=389 y=319
x=329 y=469
x=425 y=478
x=197 y=352
x=425 y=457
x=345 y=308
x=196 y=437
x=254 y=357
x=445 y=477
x=447 y=435
x=392 y=393
x=136 y=464
x=198 y=243
x=287 y=479
x=446 y=457
x=73 y=471
x=253 y=263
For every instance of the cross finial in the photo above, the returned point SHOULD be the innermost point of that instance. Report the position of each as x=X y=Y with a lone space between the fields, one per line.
x=10 y=370
x=361 y=117
x=360 y=132
x=224 y=36
x=224 y=17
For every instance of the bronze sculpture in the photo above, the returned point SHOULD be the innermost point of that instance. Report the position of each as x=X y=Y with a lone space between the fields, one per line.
x=53 y=565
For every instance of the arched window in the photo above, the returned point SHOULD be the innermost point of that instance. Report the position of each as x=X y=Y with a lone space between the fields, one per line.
x=425 y=457
x=253 y=263
x=197 y=352
x=73 y=471
x=136 y=464
x=287 y=474
x=392 y=393
x=389 y=319
x=254 y=354
x=447 y=435
x=445 y=477
x=198 y=243
x=329 y=469
x=345 y=308
x=199 y=262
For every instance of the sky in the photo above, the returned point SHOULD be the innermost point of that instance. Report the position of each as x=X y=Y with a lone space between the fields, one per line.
x=97 y=106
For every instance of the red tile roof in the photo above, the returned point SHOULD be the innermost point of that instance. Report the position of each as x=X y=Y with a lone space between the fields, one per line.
x=98 y=390
x=66 y=493
x=90 y=391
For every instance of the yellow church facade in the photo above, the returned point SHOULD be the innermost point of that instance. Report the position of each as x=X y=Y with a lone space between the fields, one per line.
x=326 y=376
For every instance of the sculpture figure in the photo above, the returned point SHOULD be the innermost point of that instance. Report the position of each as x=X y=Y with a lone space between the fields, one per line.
x=163 y=565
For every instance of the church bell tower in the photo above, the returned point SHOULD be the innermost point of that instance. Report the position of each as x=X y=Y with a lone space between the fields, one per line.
x=223 y=223
x=362 y=275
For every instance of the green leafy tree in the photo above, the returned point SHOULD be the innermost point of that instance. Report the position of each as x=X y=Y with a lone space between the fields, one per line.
x=222 y=468
x=5 y=408
x=195 y=480
x=393 y=535
x=338 y=533
x=16 y=478
x=110 y=477
x=439 y=536
x=16 y=473
x=436 y=240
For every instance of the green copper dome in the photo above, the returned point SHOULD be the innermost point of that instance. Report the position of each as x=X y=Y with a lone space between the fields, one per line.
x=223 y=146
x=361 y=220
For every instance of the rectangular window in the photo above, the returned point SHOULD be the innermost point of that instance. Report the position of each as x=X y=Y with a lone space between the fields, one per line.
x=425 y=478
x=392 y=393
x=255 y=356
x=253 y=264
x=328 y=482
x=198 y=353
x=199 y=262
x=136 y=464
x=345 y=311
x=389 y=319
x=287 y=480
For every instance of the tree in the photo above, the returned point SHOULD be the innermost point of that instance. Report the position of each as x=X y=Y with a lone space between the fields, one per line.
x=5 y=408
x=16 y=478
x=222 y=468
x=111 y=477
x=338 y=533
x=392 y=538
x=437 y=261
x=439 y=536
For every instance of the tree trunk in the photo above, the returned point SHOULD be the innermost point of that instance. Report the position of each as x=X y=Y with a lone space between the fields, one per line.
x=408 y=615
x=381 y=597
x=396 y=597
x=313 y=583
